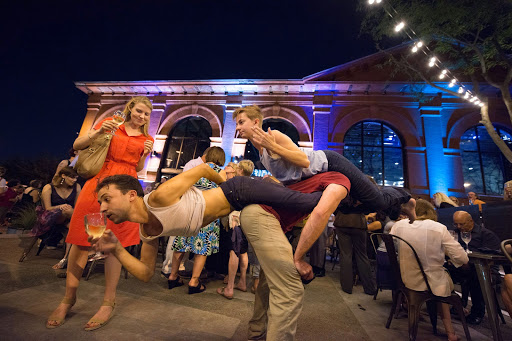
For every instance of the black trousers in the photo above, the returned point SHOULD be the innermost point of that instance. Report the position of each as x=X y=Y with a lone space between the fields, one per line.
x=373 y=198
x=242 y=191
x=467 y=276
x=352 y=241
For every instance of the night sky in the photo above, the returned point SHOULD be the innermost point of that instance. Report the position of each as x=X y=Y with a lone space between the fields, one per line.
x=46 y=46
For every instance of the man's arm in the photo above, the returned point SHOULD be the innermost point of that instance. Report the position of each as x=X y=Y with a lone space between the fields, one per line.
x=316 y=223
x=143 y=269
x=171 y=191
x=280 y=144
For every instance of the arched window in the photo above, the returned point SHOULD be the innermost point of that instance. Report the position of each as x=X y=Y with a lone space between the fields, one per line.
x=377 y=150
x=187 y=140
x=251 y=153
x=483 y=165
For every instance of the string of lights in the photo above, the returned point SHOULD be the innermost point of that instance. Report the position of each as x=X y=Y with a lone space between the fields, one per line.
x=433 y=61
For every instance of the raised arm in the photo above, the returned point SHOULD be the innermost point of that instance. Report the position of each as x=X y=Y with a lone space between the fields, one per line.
x=171 y=191
x=280 y=144
x=83 y=142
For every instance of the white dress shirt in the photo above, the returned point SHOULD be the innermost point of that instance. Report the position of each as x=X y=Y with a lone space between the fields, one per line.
x=432 y=242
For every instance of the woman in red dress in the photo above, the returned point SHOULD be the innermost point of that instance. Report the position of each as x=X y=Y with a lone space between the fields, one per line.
x=127 y=153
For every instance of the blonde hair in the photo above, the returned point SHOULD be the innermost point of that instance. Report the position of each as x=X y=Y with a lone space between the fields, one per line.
x=441 y=197
x=425 y=210
x=232 y=165
x=216 y=155
x=252 y=111
x=129 y=106
x=246 y=166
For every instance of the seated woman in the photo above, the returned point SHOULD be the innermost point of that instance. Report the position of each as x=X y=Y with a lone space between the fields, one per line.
x=60 y=195
x=432 y=242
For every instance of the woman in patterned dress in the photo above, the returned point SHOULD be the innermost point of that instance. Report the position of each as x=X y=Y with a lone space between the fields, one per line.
x=206 y=242
x=128 y=150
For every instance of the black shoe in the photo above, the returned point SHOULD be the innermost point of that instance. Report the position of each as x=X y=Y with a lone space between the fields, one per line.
x=165 y=275
x=197 y=289
x=175 y=283
x=475 y=320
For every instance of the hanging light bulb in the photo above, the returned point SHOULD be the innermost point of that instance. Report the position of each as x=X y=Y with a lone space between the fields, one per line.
x=452 y=83
x=481 y=104
x=414 y=49
x=432 y=61
x=466 y=96
x=444 y=72
x=371 y=2
x=477 y=102
x=473 y=99
x=419 y=44
x=378 y=1
x=461 y=89
x=441 y=76
x=399 y=26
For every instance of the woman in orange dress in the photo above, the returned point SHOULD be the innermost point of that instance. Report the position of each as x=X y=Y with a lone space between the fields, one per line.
x=127 y=153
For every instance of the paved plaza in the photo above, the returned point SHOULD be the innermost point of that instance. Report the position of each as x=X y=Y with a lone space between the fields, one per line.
x=29 y=292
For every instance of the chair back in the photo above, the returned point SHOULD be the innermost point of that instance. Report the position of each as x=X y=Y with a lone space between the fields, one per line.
x=393 y=260
x=445 y=215
x=504 y=250
x=497 y=217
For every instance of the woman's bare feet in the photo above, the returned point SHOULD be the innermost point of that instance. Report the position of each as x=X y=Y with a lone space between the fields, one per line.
x=409 y=209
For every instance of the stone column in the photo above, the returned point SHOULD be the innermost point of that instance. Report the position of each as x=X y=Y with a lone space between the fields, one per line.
x=438 y=169
x=93 y=107
x=154 y=125
x=228 y=133
x=322 y=105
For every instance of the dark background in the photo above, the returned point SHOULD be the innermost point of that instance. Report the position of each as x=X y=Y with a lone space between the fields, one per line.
x=46 y=46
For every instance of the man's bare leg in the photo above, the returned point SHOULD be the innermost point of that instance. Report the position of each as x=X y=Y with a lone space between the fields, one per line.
x=409 y=209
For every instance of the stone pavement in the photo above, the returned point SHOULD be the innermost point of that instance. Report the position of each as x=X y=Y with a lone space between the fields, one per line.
x=30 y=291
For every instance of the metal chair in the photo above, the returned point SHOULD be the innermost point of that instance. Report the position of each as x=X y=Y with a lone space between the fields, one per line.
x=504 y=243
x=415 y=299
x=384 y=282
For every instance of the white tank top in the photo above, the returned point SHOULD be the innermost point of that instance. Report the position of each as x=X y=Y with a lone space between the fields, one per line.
x=287 y=173
x=184 y=218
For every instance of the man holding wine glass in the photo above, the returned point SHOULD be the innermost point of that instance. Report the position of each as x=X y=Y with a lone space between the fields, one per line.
x=473 y=237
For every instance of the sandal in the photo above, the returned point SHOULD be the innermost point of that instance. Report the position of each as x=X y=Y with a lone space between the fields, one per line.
x=221 y=292
x=174 y=283
x=197 y=289
x=60 y=321
x=62 y=264
x=101 y=323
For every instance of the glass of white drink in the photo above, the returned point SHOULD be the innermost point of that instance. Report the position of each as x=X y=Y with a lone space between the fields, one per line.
x=95 y=224
x=466 y=238
x=118 y=118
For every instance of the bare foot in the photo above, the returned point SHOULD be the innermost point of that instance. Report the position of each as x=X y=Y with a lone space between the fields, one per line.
x=102 y=315
x=227 y=293
x=241 y=286
x=409 y=209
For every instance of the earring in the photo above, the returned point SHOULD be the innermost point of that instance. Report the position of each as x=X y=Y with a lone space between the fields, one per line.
x=62 y=181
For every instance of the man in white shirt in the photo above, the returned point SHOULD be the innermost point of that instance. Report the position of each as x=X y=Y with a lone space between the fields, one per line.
x=166 y=266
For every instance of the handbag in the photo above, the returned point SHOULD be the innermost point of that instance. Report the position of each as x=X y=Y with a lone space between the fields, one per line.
x=91 y=159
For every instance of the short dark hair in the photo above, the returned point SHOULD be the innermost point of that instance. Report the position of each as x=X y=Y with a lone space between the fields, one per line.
x=123 y=182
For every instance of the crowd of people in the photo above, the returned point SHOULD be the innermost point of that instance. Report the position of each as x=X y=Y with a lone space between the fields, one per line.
x=229 y=222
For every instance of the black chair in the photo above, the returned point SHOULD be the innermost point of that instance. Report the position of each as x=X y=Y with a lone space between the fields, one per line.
x=445 y=215
x=415 y=299
x=384 y=275
x=497 y=217
x=504 y=250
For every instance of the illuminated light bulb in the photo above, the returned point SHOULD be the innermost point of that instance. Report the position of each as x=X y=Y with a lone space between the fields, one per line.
x=378 y=1
x=472 y=99
x=431 y=64
x=450 y=85
x=481 y=104
x=414 y=49
x=477 y=102
x=444 y=72
x=419 y=44
x=466 y=96
x=441 y=76
x=371 y=2
x=461 y=89
x=399 y=26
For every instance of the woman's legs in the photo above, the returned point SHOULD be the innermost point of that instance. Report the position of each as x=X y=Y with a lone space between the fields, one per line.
x=175 y=265
x=76 y=264
x=199 y=261
x=112 y=274
x=506 y=293
x=232 y=268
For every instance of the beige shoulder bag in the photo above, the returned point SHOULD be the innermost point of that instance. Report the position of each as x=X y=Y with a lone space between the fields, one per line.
x=91 y=159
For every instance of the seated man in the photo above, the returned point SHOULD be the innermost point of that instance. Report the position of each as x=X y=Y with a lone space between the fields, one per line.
x=177 y=208
x=482 y=239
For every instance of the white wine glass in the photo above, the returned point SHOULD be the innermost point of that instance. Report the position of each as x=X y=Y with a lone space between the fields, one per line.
x=95 y=225
x=466 y=238
x=118 y=118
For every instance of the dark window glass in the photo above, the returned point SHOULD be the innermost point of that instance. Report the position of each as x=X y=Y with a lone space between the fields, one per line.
x=483 y=165
x=377 y=150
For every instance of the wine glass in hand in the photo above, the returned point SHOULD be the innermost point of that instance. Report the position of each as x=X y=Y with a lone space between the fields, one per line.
x=95 y=224
x=466 y=237
x=118 y=118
